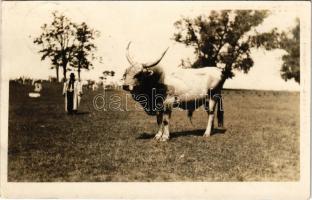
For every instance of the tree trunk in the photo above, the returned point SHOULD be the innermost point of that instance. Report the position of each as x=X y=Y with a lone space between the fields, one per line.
x=57 y=73
x=64 y=64
x=64 y=73
x=227 y=72
x=78 y=73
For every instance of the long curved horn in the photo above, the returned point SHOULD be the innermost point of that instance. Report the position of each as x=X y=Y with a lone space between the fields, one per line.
x=130 y=60
x=149 y=65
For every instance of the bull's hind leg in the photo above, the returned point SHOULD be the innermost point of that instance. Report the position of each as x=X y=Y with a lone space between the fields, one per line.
x=210 y=106
x=159 y=117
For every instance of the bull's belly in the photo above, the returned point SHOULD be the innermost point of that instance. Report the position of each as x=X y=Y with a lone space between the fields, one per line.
x=187 y=97
x=190 y=98
x=190 y=104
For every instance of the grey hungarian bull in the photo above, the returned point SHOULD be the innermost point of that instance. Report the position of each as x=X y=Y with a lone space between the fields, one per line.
x=159 y=92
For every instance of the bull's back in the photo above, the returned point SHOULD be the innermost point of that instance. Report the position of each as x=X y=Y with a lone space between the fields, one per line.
x=194 y=82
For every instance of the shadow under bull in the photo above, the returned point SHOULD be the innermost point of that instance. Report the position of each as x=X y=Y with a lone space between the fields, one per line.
x=197 y=133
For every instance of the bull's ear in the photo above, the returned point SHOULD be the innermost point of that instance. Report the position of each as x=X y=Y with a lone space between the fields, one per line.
x=148 y=71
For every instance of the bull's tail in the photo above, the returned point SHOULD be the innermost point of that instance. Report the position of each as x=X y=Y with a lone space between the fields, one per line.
x=220 y=112
x=190 y=115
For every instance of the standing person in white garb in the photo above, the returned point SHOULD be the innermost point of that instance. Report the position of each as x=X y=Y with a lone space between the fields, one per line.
x=72 y=91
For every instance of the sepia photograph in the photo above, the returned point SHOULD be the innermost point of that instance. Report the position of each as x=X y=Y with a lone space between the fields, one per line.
x=180 y=93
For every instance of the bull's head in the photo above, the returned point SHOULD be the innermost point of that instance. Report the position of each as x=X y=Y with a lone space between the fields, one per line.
x=137 y=70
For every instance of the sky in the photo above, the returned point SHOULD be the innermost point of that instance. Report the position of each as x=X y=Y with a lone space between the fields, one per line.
x=149 y=25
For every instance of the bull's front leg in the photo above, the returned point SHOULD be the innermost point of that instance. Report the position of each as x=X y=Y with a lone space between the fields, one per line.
x=168 y=106
x=210 y=108
x=166 y=117
x=159 y=118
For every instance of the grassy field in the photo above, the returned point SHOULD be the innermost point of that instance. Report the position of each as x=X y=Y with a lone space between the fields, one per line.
x=260 y=141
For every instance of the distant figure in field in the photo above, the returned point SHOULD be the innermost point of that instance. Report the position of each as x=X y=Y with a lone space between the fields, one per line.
x=37 y=90
x=72 y=91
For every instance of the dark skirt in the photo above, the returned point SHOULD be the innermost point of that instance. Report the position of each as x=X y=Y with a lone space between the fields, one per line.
x=70 y=102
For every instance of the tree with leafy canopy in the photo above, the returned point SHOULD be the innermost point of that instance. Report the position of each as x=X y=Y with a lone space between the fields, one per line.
x=64 y=43
x=225 y=37
x=290 y=42
x=56 y=42
x=84 y=51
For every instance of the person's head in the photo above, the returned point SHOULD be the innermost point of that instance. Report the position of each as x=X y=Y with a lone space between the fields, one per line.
x=72 y=76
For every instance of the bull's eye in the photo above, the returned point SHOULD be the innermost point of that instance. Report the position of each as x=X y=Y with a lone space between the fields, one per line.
x=136 y=76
